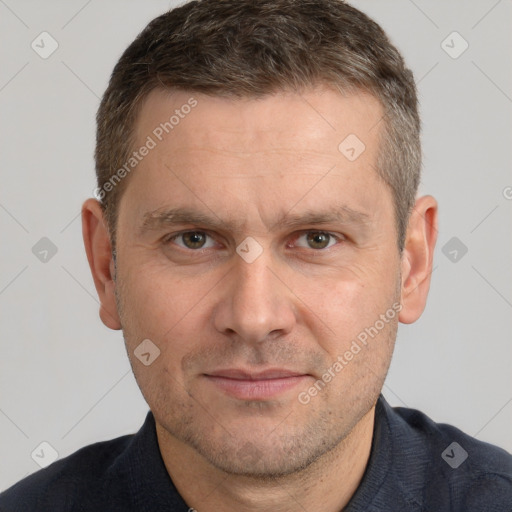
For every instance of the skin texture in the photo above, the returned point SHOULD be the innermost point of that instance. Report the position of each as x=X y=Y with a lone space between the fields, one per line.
x=249 y=165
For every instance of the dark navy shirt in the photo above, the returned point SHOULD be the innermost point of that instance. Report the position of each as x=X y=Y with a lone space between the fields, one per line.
x=415 y=465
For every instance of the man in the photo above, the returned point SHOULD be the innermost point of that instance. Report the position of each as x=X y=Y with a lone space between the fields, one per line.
x=257 y=237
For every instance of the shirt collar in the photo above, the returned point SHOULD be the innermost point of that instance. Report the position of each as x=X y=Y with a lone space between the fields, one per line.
x=396 y=467
x=149 y=485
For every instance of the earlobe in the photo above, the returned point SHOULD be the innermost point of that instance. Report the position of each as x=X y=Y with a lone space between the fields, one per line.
x=99 y=255
x=417 y=258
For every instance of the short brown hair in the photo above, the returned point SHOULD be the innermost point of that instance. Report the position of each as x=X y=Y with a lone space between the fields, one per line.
x=250 y=48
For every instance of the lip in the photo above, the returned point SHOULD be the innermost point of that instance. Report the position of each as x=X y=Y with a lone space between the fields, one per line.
x=248 y=385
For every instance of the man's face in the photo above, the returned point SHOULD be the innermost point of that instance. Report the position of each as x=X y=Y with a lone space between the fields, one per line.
x=253 y=251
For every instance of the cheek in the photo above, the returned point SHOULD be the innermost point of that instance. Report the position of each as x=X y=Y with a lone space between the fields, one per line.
x=171 y=312
x=159 y=310
x=350 y=299
x=155 y=299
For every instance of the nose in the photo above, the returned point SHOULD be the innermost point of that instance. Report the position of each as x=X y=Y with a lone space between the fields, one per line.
x=255 y=304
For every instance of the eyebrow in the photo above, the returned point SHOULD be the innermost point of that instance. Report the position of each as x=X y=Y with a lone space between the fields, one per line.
x=161 y=219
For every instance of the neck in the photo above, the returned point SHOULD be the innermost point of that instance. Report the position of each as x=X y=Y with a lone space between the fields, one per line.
x=326 y=485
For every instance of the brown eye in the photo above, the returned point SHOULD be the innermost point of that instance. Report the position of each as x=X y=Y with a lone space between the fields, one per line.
x=318 y=240
x=192 y=239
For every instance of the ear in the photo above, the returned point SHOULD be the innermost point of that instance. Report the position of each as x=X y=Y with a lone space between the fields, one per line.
x=417 y=259
x=99 y=254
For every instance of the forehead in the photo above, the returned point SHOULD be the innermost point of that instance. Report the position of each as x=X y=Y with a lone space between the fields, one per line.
x=261 y=155
x=317 y=119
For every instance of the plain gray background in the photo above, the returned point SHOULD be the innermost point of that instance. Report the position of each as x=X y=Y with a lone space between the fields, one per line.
x=65 y=378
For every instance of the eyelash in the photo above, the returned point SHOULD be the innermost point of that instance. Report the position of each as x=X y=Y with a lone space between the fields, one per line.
x=337 y=239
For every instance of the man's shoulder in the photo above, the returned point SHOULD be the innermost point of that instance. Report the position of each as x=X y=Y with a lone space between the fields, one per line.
x=455 y=447
x=455 y=467
x=125 y=474
x=83 y=473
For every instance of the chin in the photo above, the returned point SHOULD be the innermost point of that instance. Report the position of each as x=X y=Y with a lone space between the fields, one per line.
x=265 y=457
